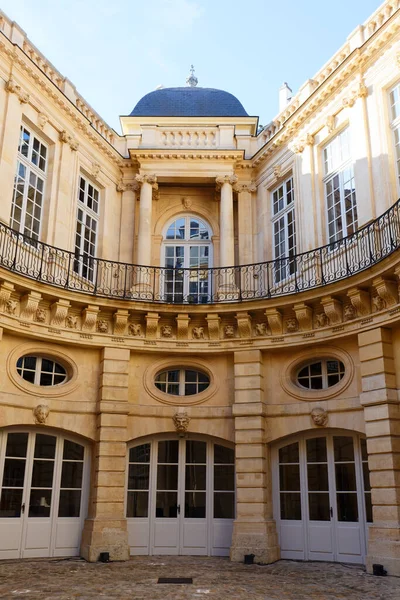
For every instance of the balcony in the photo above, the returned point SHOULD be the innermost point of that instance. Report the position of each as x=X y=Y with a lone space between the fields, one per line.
x=109 y=279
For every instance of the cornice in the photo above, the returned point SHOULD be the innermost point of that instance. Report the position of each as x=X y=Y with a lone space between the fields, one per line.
x=56 y=95
x=329 y=83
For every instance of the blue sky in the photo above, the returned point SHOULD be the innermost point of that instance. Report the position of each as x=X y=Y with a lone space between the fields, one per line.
x=117 y=51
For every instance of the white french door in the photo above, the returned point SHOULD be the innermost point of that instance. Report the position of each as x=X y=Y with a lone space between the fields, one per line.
x=180 y=497
x=42 y=495
x=322 y=497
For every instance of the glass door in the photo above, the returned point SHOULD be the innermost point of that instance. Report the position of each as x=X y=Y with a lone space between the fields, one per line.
x=193 y=535
x=41 y=495
x=167 y=506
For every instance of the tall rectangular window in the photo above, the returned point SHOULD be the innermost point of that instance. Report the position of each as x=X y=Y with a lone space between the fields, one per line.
x=284 y=230
x=29 y=183
x=339 y=185
x=86 y=229
x=394 y=99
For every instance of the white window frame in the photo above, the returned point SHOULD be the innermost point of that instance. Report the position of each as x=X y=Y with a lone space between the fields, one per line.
x=84 y=265
x=23 y=186
x=38 y=370
x=182 y=381
x=394 y=118
x=186 y=243
x=341 y=371
x=337 y=162
x=288 y=268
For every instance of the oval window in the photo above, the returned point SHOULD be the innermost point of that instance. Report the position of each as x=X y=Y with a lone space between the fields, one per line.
x=321 y=374
x=182 y=382
x=41 y=371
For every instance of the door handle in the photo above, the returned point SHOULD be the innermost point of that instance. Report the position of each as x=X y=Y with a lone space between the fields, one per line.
x=178 y=509
x=331 y=512
x=23 y=508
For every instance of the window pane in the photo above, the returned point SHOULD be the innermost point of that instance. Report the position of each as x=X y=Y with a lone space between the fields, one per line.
x=344 y=448
x=196 y=452
x=40 y=503
x=137 y=504
x=224 y=477
x=70 y=503
x=10 y=503
x=167 y=477
x=289 y=454
x=168 y=451
x=73 y=451
x=138 y=478
x=42 y=474
x=224 y=505
x=14 y=472
x=290 y=506
x=167 y=505
x=317 y=476
x=140 y=454
x=223 y=455
x=72 y=473
x=347 y=507
x=195 y=505
x=316 y=450
x=289 y=477
x=45 y=446
x=17 y=444
x=195 y=477
x=319 y=508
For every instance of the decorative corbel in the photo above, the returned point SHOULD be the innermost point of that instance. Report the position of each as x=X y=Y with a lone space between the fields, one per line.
x=330 y=123
x=120 y=321
x=89 y=318
x=66 y=138
x=304 y=316
x=361 y=301
x=6 y=290
x=42 y=119
x=182 y=326
x=387 y=290
x=29 y=305
x=213 y=323
x=152 y=319
x=299 y=145
x=58 y=313
x=275 y=321
x=244 y=324
x=333 y=309
x=13 y=88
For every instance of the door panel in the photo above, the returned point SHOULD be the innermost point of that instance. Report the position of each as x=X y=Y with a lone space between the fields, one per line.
x=33 y=468
x=184 y=502
x=320 y=503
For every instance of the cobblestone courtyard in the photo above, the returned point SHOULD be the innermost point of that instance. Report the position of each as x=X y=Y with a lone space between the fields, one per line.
x=213 y=578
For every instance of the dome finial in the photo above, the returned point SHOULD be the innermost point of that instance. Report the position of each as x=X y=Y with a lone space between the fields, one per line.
x=192 y=80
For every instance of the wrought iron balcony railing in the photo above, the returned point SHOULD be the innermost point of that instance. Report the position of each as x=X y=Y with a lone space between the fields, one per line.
x=110 y=279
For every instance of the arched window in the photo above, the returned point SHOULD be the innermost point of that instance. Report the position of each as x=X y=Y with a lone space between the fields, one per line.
x=187 y=249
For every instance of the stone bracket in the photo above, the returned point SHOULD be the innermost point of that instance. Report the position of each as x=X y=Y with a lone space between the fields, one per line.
x=29 y=305
x=387 y=290
x=244 y=324
x=214 y=323
x=120 y=321
x=182 y=326
x=304 y=316
x=89 y=318
x=275 y=321
x=361 y=301
x=152 y=319
x=58 y=312
x=333 y=309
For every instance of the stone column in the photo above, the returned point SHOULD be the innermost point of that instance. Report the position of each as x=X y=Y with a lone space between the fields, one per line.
x=248 y=277
x=142 y=260
x=361 y=154
x=127 y=225
x=105 y=528
x=226 y=278
x=9 y=145
x=379 y=398
x=254 y=530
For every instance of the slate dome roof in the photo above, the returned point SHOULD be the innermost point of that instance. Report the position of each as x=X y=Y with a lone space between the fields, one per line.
x=189 y=102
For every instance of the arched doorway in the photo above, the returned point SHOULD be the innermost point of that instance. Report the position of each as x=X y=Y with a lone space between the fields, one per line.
x=322 y=498
x=180 y=496
x=44 y=484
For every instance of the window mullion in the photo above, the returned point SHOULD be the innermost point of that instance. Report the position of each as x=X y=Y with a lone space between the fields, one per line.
x=182 y=382
x=38 y=370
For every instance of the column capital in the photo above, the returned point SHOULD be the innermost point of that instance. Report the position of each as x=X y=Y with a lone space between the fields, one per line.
x=221 y=179
x=147 y=178
x=249 y=186
x=127 y=186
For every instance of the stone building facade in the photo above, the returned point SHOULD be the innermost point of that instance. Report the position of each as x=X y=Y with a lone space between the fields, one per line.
x=200 y=318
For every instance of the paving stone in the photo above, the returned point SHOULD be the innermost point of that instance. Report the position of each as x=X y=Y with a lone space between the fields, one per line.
x=213 y=579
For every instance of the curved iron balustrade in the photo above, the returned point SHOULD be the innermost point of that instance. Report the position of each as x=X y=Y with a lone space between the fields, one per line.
x=110 y=279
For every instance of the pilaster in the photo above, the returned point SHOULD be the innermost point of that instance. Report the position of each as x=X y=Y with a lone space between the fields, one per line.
x=382 y=425
x=254 y=530
x=105 y=528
